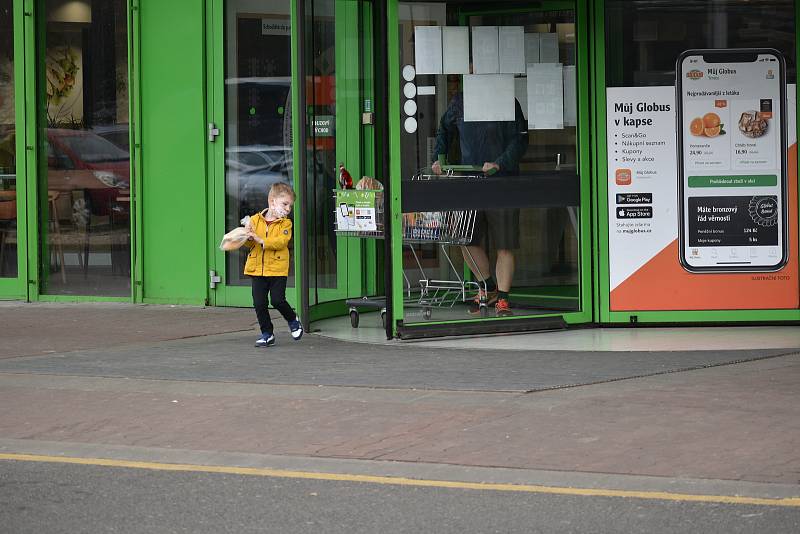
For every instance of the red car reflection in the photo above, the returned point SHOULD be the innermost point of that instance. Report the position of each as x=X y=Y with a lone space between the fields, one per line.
x=82 y=161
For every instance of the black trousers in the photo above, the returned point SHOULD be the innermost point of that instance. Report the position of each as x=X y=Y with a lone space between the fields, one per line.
x=275 y=286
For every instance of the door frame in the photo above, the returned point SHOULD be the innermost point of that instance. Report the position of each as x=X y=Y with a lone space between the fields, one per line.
x=356 y=258
x=17 y=287
x=349 y=265
x=583 y=52
x=29 y=33
x=220 y=293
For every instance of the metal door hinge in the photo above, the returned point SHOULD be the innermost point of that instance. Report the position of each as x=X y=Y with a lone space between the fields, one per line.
x=214 y=279
x=213 y=131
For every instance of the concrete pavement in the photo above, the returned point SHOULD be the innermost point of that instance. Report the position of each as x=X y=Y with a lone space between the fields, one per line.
x=171 y=388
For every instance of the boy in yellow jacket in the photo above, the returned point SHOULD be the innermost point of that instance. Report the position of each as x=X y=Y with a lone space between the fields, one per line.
x=269 y=232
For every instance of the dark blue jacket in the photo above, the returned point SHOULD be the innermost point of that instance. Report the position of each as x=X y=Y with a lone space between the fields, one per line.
x=501 y=142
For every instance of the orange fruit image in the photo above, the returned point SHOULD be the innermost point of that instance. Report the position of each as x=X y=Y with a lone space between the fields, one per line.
x=711 y=120
x=712 y=132
x=696 y=126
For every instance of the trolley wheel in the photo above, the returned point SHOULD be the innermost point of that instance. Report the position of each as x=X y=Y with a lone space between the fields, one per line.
x=354 y=318
x=426 y=313
x=383 y=319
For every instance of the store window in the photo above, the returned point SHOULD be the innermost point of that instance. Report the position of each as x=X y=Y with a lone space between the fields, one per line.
x=258 y=133
x=8 y=168
x=645 y=37
x=489 y=112
x=714 y=228
x=85 y=181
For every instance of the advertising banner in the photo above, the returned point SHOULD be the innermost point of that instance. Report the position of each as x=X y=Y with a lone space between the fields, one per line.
x=731 y=177
x=355 y=210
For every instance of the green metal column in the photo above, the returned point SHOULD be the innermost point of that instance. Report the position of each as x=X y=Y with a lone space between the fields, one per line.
x=22 y=14
x=173 y=195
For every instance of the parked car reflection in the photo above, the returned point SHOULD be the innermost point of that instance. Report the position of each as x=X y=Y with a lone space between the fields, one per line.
x=250 y=172
x=81 y=161
x=248 y=183
x=118 y=134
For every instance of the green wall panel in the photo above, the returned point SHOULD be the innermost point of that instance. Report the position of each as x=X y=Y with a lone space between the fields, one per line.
x=173 y=151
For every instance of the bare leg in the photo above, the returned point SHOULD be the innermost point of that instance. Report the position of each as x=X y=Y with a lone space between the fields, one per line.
x=505 y=269
x=481 y=267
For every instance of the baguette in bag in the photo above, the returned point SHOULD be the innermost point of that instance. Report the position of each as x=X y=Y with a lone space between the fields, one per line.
x=236 y=237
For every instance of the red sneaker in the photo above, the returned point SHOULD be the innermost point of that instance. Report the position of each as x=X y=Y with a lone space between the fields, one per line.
x=502 y=308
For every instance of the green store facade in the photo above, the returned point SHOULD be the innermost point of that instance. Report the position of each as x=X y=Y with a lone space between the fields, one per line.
x=135 y=133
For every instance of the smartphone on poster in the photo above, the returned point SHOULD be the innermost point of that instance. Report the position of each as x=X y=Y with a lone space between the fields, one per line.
x=732 y=149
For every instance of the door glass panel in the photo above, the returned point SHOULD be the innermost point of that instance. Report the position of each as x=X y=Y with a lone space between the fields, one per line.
x=320 y=145
x=8 y=167
x=513 y=111
x=258 y=131
x=85 y=178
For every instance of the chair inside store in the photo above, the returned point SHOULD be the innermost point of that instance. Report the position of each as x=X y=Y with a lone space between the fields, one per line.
x=8 y=232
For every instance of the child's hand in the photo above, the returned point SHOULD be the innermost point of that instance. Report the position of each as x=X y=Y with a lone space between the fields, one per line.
x=252 y=236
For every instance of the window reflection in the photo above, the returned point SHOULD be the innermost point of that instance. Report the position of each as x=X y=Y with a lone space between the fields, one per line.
x=523 y=247
x=86 y=185
x=644 y=37
x=321 y=144
x=8 y=177
x=258 y=133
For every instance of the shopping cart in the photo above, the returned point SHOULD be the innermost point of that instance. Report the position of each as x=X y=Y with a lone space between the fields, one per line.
x=444 y=228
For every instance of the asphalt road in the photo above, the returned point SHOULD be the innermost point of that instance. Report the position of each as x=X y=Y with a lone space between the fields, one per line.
x=47 y=498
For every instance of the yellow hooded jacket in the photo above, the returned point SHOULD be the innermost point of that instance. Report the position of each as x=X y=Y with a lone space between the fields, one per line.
x=273 y=258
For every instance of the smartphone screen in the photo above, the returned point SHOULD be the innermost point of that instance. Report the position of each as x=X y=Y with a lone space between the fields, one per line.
x=732 y=160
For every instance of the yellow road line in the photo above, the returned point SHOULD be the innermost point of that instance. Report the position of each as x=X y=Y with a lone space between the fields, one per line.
x=401 y=481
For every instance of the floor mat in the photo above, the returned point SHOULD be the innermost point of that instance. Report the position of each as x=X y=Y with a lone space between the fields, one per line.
x=321 y=361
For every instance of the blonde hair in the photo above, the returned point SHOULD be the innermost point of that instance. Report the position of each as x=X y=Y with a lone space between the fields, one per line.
x=281 y=189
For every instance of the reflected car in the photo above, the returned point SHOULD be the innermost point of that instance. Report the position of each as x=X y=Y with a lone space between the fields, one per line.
x=247 y=187
x=250 y=171
x=252 y=157
x=118 y=134
x=83 y=162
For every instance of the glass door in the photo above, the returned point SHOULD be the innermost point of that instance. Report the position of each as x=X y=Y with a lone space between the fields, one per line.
x=12 y=161
x=336 y=61
x=250 y=126
x=84 y=185
x=492 y=122
x=253 y=72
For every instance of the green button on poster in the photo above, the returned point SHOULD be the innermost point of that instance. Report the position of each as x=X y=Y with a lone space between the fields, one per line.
x=750 y=180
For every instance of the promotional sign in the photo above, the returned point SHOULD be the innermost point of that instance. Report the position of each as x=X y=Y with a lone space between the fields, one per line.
x=732 y=148
x=355 y=210
x=643 y=204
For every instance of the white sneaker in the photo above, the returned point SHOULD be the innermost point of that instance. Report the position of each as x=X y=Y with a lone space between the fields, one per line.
x=265 y=340
x=296 y=329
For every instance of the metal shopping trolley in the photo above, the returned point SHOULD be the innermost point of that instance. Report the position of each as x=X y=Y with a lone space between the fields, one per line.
x=444 y=228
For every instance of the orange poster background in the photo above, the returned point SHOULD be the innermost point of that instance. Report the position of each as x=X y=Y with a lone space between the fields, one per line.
x=662 y=284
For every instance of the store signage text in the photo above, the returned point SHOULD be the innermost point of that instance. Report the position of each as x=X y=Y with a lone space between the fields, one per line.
x=275 y=27
x=639 y=107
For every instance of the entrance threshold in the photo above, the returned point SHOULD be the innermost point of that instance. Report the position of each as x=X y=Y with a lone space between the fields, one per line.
x=672 y=339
